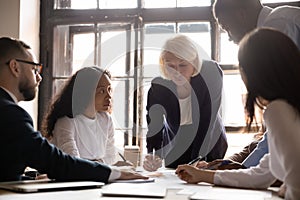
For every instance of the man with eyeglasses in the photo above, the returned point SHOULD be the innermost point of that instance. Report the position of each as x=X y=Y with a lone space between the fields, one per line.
x=20 y=145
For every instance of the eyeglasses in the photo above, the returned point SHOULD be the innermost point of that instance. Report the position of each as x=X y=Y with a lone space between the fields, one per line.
x=38 y=66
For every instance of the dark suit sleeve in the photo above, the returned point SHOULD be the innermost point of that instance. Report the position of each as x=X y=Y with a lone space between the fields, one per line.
x=201 y=115
x=215 y=144
x=154 y=116
x=22 y=146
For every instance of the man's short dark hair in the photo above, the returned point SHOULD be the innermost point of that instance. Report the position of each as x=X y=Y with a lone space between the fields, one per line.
x=10 y=47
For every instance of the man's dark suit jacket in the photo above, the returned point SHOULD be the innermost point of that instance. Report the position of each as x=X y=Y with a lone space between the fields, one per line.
x=22 y=146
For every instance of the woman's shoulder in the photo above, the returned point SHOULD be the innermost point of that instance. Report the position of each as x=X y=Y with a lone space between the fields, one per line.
x=209 y=62
x=158 y=80
x=161 y=84
x=65 y=125
x=63 y=121
x=281 y=110
x=104 y=117
x=279 y=105
x=211 y=66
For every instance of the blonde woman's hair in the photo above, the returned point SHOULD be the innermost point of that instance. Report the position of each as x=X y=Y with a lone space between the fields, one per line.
x=182 y=47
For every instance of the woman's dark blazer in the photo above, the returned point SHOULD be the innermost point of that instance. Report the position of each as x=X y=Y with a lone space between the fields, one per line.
x=206 y=136
x=21 y=146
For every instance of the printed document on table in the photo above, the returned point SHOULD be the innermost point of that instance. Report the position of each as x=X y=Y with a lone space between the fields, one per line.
x=218 y=193
x=134 y=190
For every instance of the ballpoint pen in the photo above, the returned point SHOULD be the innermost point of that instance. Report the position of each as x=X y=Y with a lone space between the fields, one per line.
x=192 y=162
x=195 y=160
x=123 y=158
x=153 y=157
x=153 y=153
x=224 y=162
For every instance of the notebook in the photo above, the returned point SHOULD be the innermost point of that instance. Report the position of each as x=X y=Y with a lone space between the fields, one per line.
x=43 y=186
x=134 y=190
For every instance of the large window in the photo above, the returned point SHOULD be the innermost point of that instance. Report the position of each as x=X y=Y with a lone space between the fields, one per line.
x=125 y=36
x=93 y=4
x=175 y=3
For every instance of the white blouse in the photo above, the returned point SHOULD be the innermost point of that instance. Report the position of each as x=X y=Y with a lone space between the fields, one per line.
x=86 y=138
x=283 y=123
x=283 y=163
x=186 y=110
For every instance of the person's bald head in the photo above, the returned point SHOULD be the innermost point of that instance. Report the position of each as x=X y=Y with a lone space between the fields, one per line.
x=237 y=17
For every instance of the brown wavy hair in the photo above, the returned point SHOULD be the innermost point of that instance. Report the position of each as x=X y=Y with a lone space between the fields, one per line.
x=74 y=97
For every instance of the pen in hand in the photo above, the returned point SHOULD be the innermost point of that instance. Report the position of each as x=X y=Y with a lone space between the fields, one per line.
x=123 y=158
x=192 y=163
x=153 y=157
x=195 y=160
x=153 y=153
x=215 y=166
x=124 y=162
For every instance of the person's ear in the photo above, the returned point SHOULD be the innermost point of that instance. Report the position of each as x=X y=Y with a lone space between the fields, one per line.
x=14 y=68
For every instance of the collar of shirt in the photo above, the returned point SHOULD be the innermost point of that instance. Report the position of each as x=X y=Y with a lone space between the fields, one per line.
x=265 y=11
x=10 y=94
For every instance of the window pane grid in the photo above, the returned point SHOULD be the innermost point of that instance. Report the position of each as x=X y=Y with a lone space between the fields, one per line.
x=74 y=49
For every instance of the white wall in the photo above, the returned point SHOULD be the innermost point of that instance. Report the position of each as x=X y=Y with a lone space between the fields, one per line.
x=20 y=19
x=9 y=18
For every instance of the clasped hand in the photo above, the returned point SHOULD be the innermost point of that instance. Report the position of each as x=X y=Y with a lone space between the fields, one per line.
x=152 y=163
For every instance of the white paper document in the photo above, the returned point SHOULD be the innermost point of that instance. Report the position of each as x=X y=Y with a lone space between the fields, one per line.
x=189 y=189
x=218 y=193
x=133 y=190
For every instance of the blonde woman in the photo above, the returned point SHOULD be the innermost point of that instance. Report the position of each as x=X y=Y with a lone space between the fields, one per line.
x=183 y=108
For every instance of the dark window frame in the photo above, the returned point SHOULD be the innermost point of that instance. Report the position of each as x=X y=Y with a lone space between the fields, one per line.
x=51 y=17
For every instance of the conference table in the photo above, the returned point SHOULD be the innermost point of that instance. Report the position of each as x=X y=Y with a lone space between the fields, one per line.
x=164 y=179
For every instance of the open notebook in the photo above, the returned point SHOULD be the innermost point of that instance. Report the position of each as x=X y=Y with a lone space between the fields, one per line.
x=43 y=186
